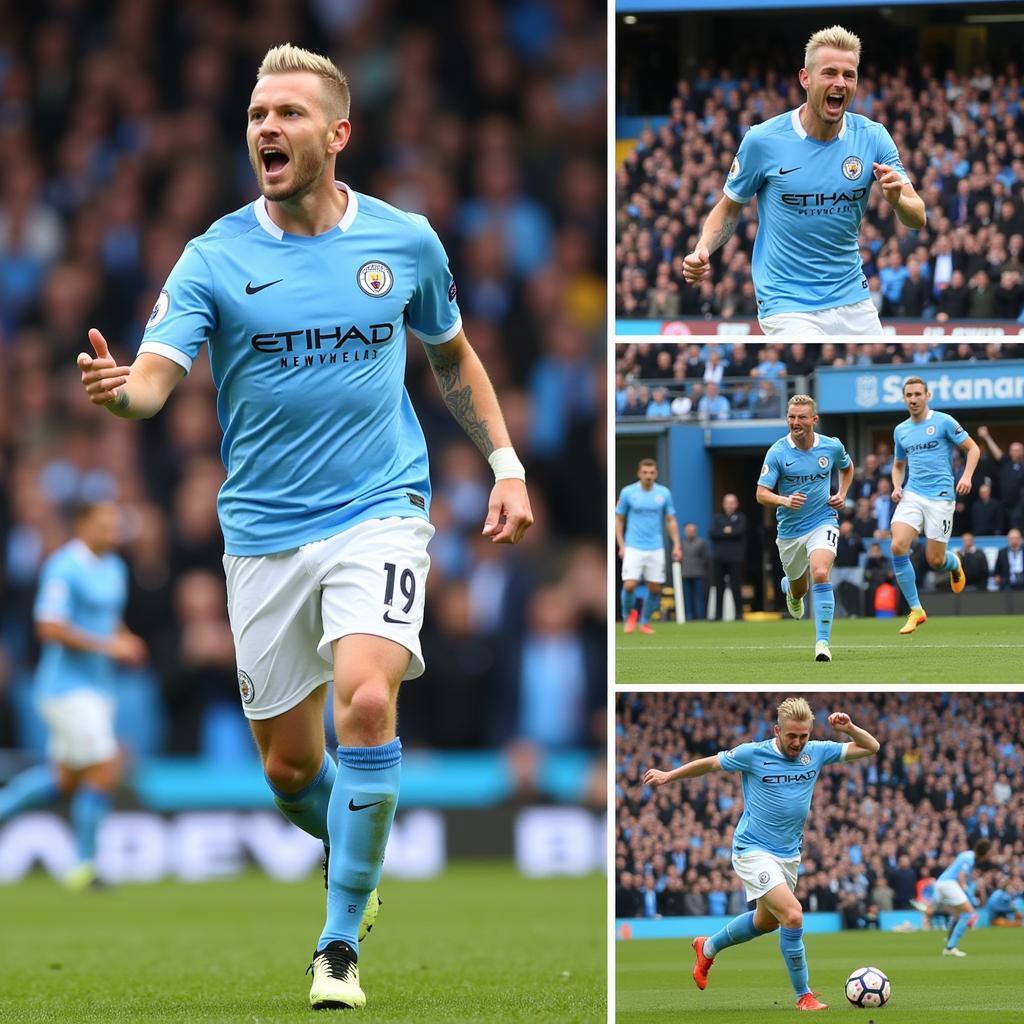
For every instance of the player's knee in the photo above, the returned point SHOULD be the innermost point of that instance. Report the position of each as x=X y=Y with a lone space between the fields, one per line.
x=288 y=772
x=792 y=917
x=899 y=550
x=820 y=575
x=367 y=711
x=936 y=561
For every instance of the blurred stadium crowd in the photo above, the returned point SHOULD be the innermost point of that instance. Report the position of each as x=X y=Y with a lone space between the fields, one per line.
x=962 y=143
x=124 y=128
x=950 y=771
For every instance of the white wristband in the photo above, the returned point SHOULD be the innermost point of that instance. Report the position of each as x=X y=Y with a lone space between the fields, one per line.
x=506 y=465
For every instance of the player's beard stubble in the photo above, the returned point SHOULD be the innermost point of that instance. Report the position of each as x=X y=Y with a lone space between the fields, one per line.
x=306 y=167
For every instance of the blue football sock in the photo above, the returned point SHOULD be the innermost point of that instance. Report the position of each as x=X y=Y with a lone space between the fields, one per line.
x=905 y=578
x=785 y=584
x=627 y=603
x=308 y=807
x=950 y=563
x=957 y=934
x=739 y=929
x=34 y=787
x=359 y=819
x=641 y=605
x=824 y=609
x=791 y=942
x=88 y=808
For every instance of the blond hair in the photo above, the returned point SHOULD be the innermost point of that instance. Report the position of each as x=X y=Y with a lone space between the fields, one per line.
x=795 y=709
x=835 y=38
x=803 y=400
x=915 y=380
x=280 y=60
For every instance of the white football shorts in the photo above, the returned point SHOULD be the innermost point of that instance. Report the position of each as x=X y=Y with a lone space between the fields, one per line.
x=287 y=608
x=644 y=564
x=931 y=516
x=761 y=871
x=795 y=552
x=949 y=894
x=81 y=726
x=857 y=318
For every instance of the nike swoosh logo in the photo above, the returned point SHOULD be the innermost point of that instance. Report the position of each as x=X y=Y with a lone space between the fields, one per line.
x=789 y=464
x=251 y=289
x=400 y=622
x=352 y=806
x=790 y=171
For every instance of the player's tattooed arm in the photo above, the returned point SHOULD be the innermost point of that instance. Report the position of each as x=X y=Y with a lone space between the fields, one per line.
x=721 y=224
x=468 y=393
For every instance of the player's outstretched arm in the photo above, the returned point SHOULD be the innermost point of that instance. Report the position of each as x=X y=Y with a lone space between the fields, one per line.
x=470 y=397
x=692 y=770
x=717 y=230
x=864 y=744
x=970 y=446
x=133 y=392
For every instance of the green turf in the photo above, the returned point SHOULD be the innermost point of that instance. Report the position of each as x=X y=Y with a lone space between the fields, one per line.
x=749 y=984
x=478 y=944
x=968 y=649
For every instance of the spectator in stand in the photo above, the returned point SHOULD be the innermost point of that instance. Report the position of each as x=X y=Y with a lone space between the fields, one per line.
x=915 y=293
x=729 y=537
x=659 y=406
x=770 y=365
x=847 y=574
x=713 y=405
x=628 y=900
x=882 y=506
x=1009 y=469
x=767 y=402
x=682 y=407
x=865 y=480
x=981 y=297
x=741 y=362
x=799 y=362
x=864 y=522
x=714 y=369
x=1009 y=569
x=633 y=404
x=696 y=568
x=974 y=562
x=987 y=515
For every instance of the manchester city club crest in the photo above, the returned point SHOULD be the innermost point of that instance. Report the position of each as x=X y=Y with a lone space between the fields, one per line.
x=763 y=877
x=245 y=688
x=929 y=431
x=822 y=461
x=805 y=758
x=375 y=278
x=853 y=168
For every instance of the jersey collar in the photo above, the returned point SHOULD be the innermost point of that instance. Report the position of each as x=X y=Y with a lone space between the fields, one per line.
x=792 y=443
x=794 y=120
x=260 y=209
x=83 y=553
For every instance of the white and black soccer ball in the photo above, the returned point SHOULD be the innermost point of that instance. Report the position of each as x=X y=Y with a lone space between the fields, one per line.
x=868 y=987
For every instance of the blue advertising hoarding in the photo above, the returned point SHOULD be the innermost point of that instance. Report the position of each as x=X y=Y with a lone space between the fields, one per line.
x=988 y=385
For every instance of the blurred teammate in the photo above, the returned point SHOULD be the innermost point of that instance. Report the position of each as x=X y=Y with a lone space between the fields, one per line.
x=643 y=511
x=811 y=170
x=796 y=478
x=78 y=612
x=305 y=296
x=924 y=446
x=951 y=896
x=779 y=776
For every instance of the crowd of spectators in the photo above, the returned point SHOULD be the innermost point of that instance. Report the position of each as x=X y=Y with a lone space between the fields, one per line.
x=124 y=129
x=950 y=771
x=962 y=142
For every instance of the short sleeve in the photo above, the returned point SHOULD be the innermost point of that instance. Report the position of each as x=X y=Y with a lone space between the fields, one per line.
x=622 y=508
x=843 y=456
x=898 y=450
x=887 y=153
x=955 y=432
x=53 y=601
x=746 y=176
x=185 y=314
x=670 y=509
x=769 y=471
x=831 y=751
x=433 y=312
x=739 y=759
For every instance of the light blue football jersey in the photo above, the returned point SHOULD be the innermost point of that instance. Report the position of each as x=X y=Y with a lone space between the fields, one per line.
x=307 y=345
x=645 y=513
x=964 y=862
x=811 y=196
x=788 y=469
x=86 y=591
x=927 y=448
x=777 y=792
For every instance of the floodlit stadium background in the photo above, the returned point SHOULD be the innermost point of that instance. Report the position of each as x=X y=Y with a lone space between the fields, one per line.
x=944 y=78
x=123 y=129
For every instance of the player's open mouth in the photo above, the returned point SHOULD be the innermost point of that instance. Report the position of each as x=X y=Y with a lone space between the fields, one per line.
x=834 y=102
x=274 y=161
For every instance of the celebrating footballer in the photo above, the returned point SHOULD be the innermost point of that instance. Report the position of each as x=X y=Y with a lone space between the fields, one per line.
x=779 y=776
x=811 y=170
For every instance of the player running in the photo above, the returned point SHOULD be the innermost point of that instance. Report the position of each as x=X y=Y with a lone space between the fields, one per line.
x=779 y=776
x=951 y=896
x=811 y=170
x=641 y=510
x=305 y=296
x=78 y=613
x=924 y=444
x=796 y=478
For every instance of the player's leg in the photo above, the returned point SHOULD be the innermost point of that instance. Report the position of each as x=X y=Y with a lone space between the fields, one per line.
x=653 y=601
x=783 y=905
x=904 y=533
x=821 y=556
x=37 y=786
x=93 y=796
x=796 y=572
x=654 y=577
x=632 y=570
x=965 y=917
x=938 y=528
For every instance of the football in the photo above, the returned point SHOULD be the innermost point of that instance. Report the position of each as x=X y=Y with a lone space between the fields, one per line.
x=868 y=987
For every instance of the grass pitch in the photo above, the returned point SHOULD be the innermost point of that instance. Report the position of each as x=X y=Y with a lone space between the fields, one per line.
x=478 y=944
x=749 y=983
x=967 y=649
